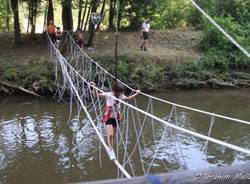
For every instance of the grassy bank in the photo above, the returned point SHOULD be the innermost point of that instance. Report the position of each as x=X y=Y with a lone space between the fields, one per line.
x=34 y=76
x=25 y=66
x=200 y=73
x=172 y=61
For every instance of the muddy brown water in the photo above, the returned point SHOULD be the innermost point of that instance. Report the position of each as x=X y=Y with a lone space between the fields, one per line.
x=37 y=145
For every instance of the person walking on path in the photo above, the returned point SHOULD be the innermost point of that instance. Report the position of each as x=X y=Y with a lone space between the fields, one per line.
x=145 y=29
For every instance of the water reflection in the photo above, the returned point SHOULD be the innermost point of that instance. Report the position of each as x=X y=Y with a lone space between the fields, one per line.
x=10 y=139
x=30 y=132
x=46 y=129
x=62 y=151
x=85 y=143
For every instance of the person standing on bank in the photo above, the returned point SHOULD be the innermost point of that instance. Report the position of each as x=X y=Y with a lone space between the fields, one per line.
x=51 y=29
x=58 y=37
x=145 y=29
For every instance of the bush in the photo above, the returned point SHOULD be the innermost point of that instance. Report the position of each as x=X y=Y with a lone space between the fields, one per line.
x=36 y=74
x=220 y=52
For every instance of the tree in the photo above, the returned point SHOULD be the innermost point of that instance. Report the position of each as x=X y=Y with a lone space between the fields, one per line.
x=80 y=3
x=67 y=17
x=102 y=14
x=84 y=14
x=8 y=15
x=5 y=15
x=92 y=26
x=32 y=4
x=14 y=6
x=50 y=13
x=88 y=16
x=111 y=13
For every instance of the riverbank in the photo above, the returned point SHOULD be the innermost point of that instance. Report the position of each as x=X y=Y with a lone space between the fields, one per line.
x=25 y=67
x=172 y=62
x=196 y=74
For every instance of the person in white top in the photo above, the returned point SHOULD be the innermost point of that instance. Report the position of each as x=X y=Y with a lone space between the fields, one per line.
x=145 y=29
x=112 y=115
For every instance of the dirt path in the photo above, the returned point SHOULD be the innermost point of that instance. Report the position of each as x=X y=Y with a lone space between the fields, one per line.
x=164 y=46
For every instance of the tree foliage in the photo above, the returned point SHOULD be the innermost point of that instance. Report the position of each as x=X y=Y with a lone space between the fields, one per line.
x=6 y=23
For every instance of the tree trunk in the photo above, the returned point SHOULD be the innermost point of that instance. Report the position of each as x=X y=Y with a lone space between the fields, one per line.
x=218 y=7
x=34 y=13
x=111 y=14
x=32 y=4
x=14 y=6
x=84 y=14
x=45 y=19
x=102 y=14
x=67 y=15
x=79 y=14
x=50 y=13
x=119 y=20
x=28 y=25
x=88 y=16
x=91 y=25
x=8 y=16
x=120 y=14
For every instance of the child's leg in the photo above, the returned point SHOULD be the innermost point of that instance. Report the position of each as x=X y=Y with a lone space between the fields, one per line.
x=145 y=44
x=110 y=131
x=116 y=123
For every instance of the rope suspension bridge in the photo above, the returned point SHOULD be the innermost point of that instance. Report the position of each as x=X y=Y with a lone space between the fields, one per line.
x=74 y=70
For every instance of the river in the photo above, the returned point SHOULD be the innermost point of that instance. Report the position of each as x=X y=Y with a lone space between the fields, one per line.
x=39 y=145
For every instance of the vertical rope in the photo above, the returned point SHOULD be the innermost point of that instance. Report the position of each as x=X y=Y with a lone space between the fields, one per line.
x=116 y=35
x=158 y=146
x=209 y=133
x=76 y=77
x=178 y=141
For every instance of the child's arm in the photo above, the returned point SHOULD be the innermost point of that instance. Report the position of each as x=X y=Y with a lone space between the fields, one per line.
x=131 y=97
x=94 y=91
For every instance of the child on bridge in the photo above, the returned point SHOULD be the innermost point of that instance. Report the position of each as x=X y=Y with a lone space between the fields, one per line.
x=112 y=115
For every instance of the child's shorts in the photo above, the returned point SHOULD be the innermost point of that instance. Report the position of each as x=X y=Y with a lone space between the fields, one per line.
x=145 y=35
x=113 y=122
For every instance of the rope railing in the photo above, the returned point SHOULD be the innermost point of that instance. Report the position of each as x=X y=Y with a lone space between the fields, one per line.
x=156 y=98
x=82 y=80
x=64 y=68
x=78 y=74
x=73 y=57
x=183 y=130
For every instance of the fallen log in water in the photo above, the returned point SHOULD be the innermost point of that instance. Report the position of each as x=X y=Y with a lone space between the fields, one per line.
x=20 y=88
